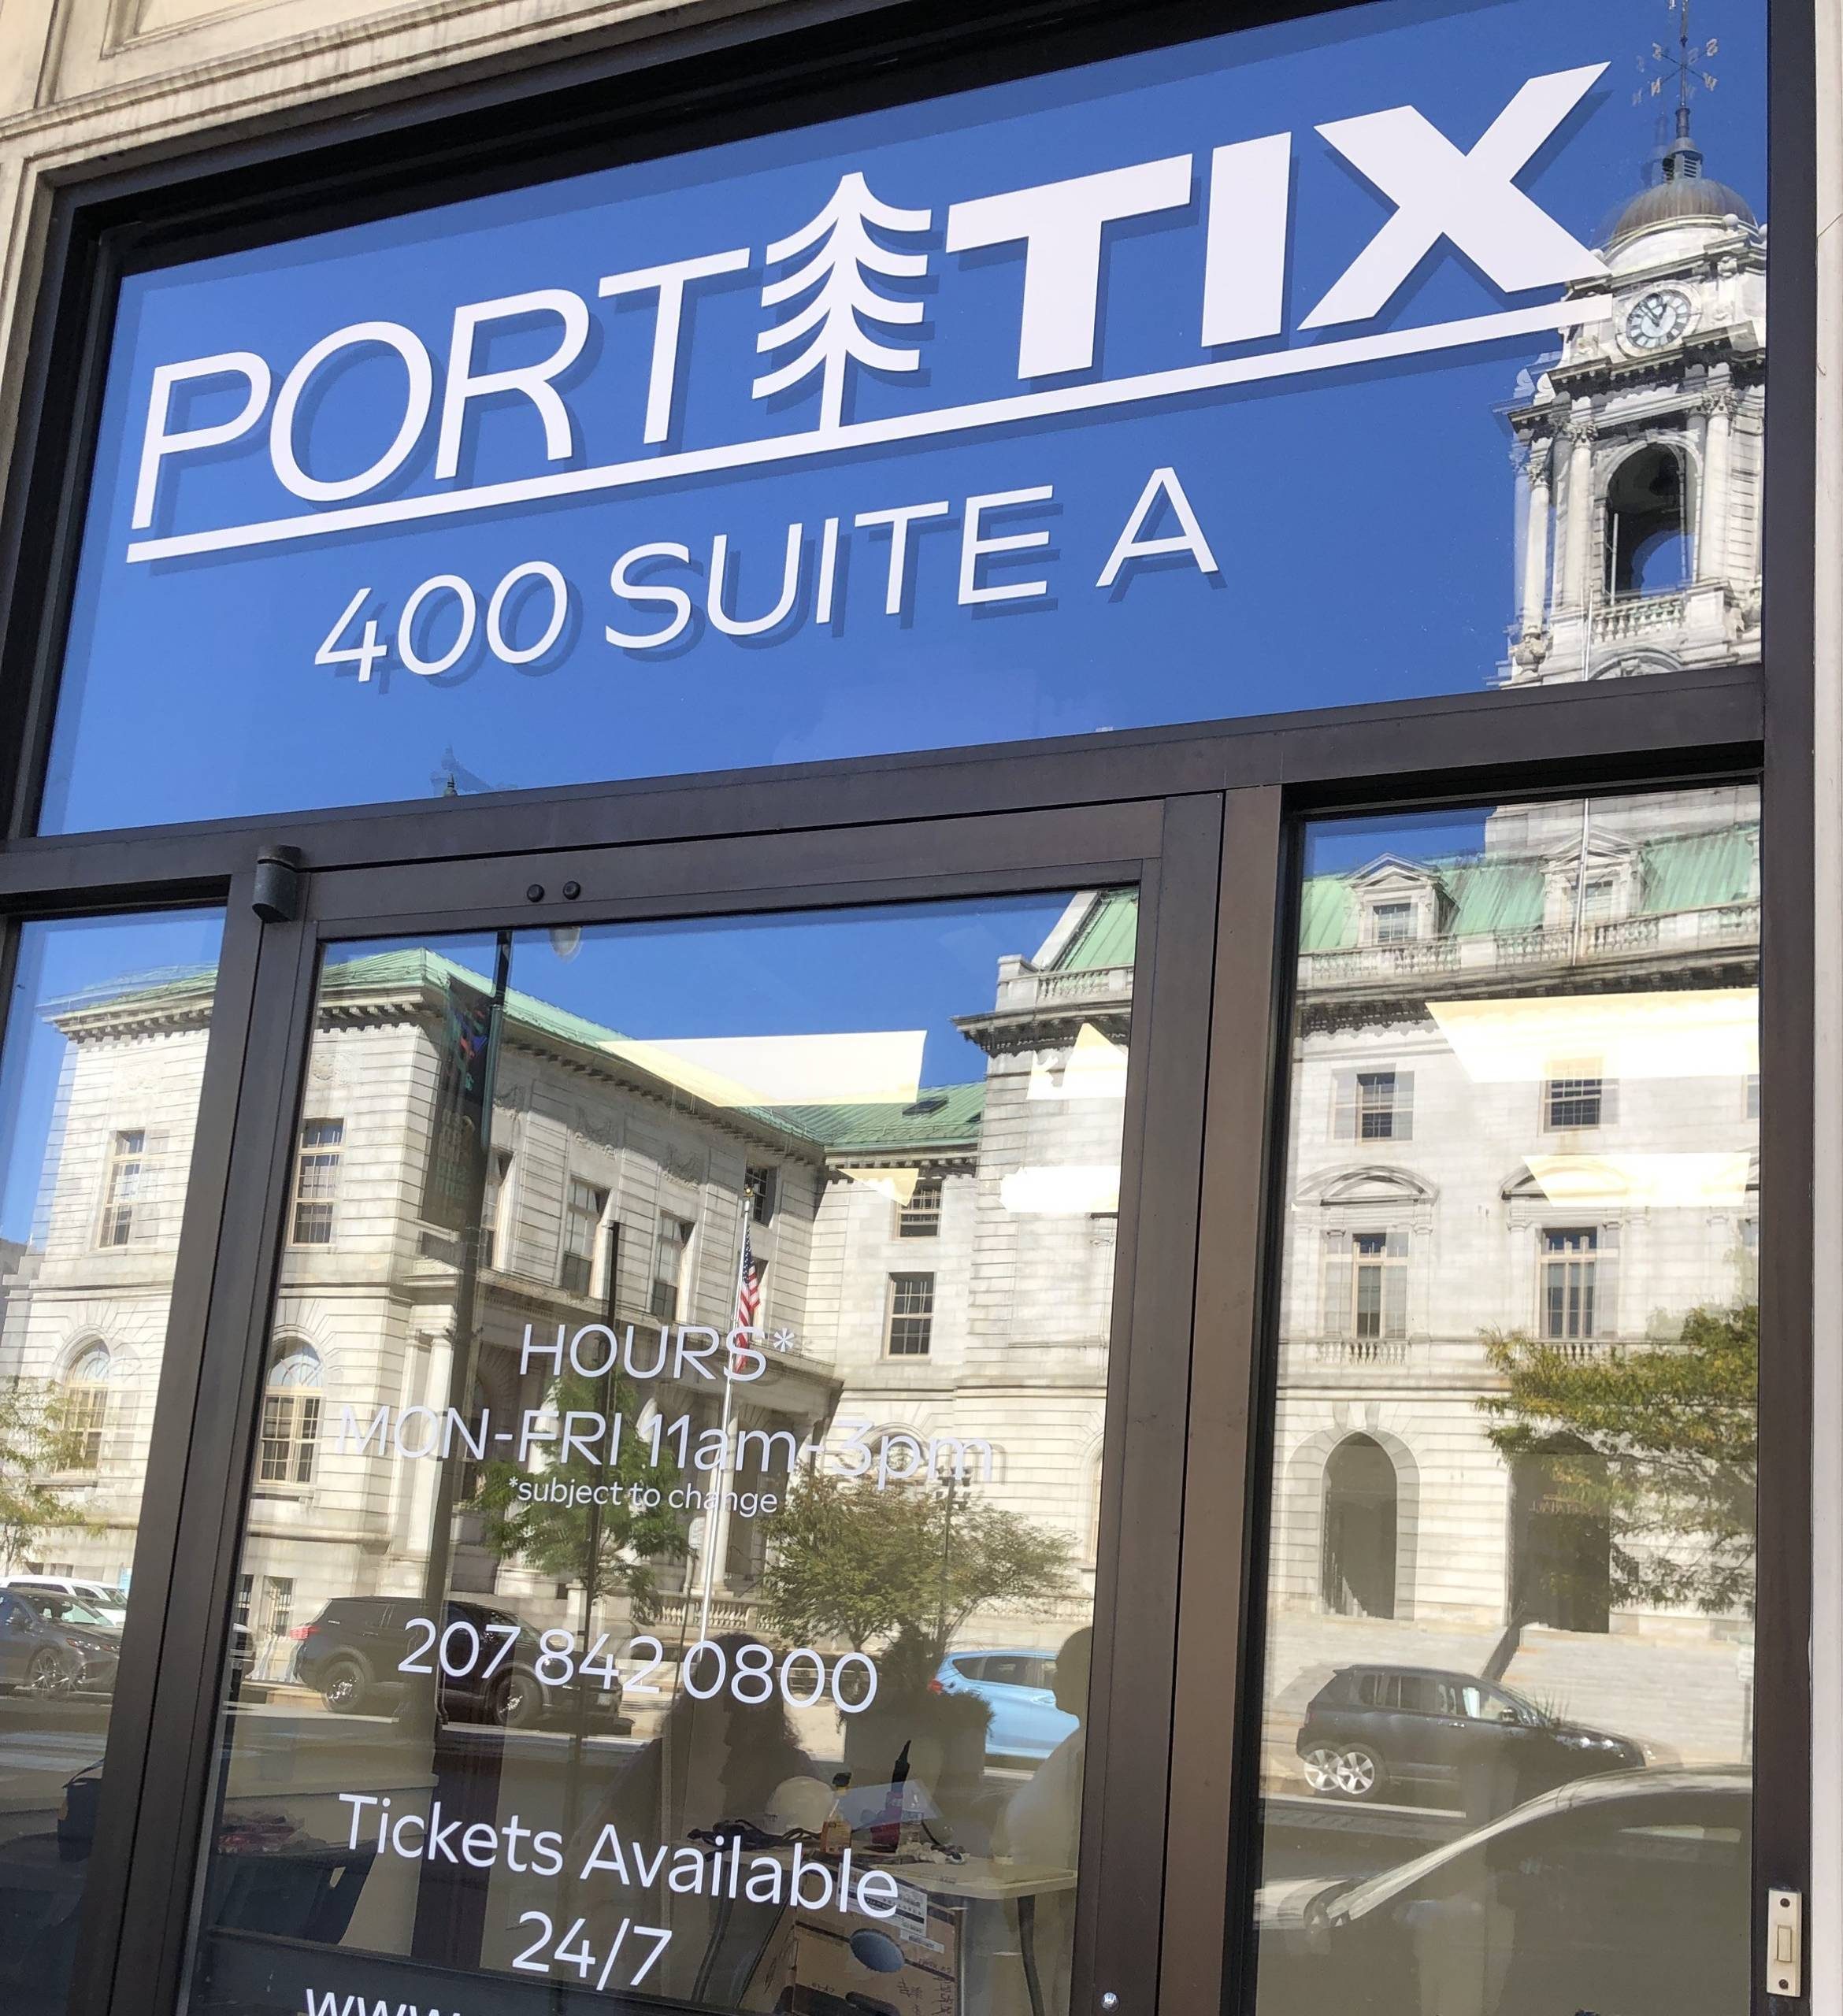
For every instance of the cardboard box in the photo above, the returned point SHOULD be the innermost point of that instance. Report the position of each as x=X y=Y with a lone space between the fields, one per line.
x=809 y=1967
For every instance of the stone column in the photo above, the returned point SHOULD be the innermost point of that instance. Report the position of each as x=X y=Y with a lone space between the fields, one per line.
x=1711 y=553
x=1535 y=582
x=1577 y=558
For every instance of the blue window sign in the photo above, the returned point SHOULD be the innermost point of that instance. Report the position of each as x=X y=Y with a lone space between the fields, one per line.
x=1176 y=386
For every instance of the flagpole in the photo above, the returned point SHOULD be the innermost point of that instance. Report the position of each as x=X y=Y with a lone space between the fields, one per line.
x=711 y=1511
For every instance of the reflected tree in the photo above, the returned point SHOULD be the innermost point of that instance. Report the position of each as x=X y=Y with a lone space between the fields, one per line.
x=604 y=1549
x=912 y=1563
x=1662 y=1439
x=37 y=1439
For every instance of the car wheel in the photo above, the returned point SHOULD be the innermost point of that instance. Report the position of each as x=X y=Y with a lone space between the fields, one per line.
x=345 y=1687
x=50 y=1676
x=1321 y=1762
x=518 y=1701
x=1360 y=1773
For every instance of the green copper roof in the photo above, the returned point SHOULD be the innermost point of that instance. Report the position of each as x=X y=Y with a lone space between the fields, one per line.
x=1107 y=937
x=944 y=1116
x=940 y=1116
x=1705 y=869
x=1684 y=872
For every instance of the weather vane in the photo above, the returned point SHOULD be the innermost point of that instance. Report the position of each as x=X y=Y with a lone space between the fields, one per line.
x=1684 y=63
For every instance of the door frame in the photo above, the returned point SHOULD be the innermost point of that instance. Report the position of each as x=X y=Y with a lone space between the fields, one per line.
x=1171 y=850
x=186 y=191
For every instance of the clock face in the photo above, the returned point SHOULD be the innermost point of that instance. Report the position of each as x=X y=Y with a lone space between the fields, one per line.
x=1657 y=318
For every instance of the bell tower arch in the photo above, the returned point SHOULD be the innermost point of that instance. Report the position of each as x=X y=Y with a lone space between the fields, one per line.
x=1639 y=449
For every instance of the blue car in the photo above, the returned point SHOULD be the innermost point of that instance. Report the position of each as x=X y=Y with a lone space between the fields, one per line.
x=1019 y=1688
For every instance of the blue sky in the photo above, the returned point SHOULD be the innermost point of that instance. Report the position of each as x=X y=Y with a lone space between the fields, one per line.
x=900 y=966
x=56 y=960
x=903 y=966
x=1362 y=517
x=1335 y=846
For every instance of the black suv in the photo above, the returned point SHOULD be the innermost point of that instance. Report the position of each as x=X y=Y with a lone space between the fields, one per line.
x=350 y=1654
x=1372 y=1728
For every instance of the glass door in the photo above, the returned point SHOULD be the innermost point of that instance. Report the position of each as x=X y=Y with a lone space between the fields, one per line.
x=1502 y=1740
x=684 y=1462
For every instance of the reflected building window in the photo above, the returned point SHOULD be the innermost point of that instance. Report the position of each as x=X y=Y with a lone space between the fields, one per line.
x=1561 y=1538
x=291 y=1417
x=1599 y=898
x=911 y=1331
x=1394 y=923
x=278 y=1605
x=581 y=1223
x=1582 y=1099
x=88 y=1387
x=494 y=1246
x=317 y=1181
x=920 y=1217
x=1374 y=1106
x=1571 y=1284
x=126 y=1190
x=1360 y=1519
x=1366 y=1285
x=668 y=1268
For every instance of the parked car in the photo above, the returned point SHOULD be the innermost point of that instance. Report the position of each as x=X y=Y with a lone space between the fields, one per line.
x=50 y=1660
x=351 y=1654
x=112 y=1603
x=1373 y=1729
x=61 y=1609
x=1019 y=1688
x=1629 y=1893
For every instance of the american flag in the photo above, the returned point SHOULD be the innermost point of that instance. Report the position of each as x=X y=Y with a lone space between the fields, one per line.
x=748 y=1289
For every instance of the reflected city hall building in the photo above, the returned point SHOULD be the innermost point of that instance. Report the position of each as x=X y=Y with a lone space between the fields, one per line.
x=1139 y=1394
x=1525 y=1105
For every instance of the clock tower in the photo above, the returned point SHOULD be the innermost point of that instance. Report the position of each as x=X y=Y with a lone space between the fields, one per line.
x=1639 y=450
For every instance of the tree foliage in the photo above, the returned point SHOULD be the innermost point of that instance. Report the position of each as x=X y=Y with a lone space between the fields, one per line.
x=602 y=1549
x=853 y=1562
x=1661 y=1439
x=36 y=1442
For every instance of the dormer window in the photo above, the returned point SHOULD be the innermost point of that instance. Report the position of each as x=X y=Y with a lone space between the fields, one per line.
x=1604 y=888
x=1599 y=898
x=1395 y=902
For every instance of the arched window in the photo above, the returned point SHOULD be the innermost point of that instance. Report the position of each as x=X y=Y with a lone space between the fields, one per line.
x=1648 y=523
x=1359 y=1529
x=88 y=1385
x=1561 y=1556
x=290 y=1415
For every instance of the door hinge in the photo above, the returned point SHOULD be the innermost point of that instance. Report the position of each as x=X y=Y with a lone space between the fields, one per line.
x=275 y=897
x=1785 y=1951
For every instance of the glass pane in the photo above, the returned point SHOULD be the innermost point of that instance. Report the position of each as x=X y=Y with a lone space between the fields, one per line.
x=1202 y=381
x=1508 y=1727
x=679 y=1594
x=106 y=1035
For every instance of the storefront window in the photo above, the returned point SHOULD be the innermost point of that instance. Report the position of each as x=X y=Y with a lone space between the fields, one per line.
x=647 y=1590
x=104 y=1055
x=1508 y=1701
x=1399 y=351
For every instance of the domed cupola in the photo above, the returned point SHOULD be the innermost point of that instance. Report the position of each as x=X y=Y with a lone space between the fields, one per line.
x=1681 y=195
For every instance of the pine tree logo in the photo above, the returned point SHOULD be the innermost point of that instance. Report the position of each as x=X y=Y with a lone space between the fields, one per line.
x=844 y=256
